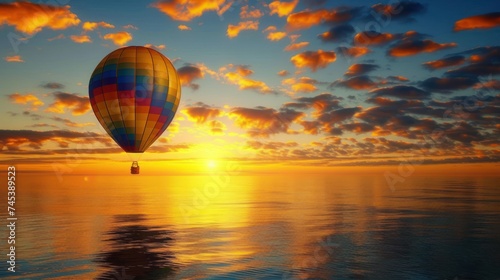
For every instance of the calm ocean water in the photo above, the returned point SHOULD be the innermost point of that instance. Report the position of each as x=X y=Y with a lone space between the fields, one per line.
x=255 y=227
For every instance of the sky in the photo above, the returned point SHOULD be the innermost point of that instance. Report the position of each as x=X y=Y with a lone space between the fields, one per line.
x=311 y=83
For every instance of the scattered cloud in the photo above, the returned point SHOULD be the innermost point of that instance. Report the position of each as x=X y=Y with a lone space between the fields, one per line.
x=308 y=18
x=189 y=73
x=484 y=21
x=360 y=69
x=338 y=33
x=303 y=84
x=239 y=75
x=402 y=10
x=27 y=99
x=414 y=47
x=356 y=83
x=444 y=62
x=374 y=38
x=186 y=10
x=156 y=47
x=90 y=26
x=262 y=121
x=282 y=8
x=313 y=59
x=52 y=85
x=31 y=18
x=234 y=30
x=283 y=73
x=276 y=36
x=78 y=105
x=80 y=39
x=58 y=37
x=296 y=46
x=71 y=123
x=245 y=13
x=353 y=51
x=119 y=38
x=201 y=112
x=447 y=85
x=183 y=27
x=405 y=92
x=14 y=58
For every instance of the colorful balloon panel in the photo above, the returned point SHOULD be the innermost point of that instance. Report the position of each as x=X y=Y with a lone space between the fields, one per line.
x=134 y=93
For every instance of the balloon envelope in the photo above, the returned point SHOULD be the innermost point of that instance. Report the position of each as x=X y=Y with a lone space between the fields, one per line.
x=134 y=92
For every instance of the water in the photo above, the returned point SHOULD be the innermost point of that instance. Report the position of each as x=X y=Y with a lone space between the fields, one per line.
x=255 y=227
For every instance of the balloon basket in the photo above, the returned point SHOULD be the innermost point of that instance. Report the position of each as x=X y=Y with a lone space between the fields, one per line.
x=134 y=169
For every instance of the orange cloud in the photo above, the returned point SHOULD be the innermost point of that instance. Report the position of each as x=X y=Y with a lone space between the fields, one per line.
x=156 y=47
x=186 y=10
x=31 y=18
x=413 y=47
x=26 y=99
x=263 y=122
x=216 y=127
x=200 y=112
x=303 y=84
x=269 y=28
x=90 y=26
x=282 y=8
x=445 y=62
x=296 y=46
x=78 y=105
x=478 y=22
x=373 y=38
x=189 y=73
x=14 y=58
x=307 y=19
x=240 y=76
x=313 y=59
x=276 y=36
x=353 y=51
x=119 y=38
x=283 y=73
x=183 y=27
x=245 y=13
x=234 y=30
x=80 y=39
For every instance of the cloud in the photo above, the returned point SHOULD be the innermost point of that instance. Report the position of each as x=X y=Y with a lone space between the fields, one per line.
x=80 y=39
x=14 y=140
x=71 y=123
x=321 y=104
x=413 y=47
x=313 y=59
x=14 y=58
x=445 y=62
x=119 y=38
x=90 y=26
x=306 y=19
x=283 y=73
x=27 y=99
x=303 y=84
x=401 y=10
x=245 y=13
x=338 y=33
x=484 y=21
x=353 y=51
x=262 y=121
x=276 y=36
x=239 y=76
x=130 y=26
x=60 y=36
x=337 y=116
x=52 y=85
x=475 y=70
x=189 y=73
x=186 y=10
x=156 y=47
x=374 y=38
x=360 y=69
x=78 y=105
x=356 y=83
x=296 y=46
x=183 y=27
x=200 y=112
x=282 y=8
x=447 y=85
x=234 y=30
x=217 y=127
x=405 y=92
x=31 y=18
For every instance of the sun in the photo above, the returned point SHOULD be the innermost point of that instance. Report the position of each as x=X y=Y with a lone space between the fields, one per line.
x=211 y=164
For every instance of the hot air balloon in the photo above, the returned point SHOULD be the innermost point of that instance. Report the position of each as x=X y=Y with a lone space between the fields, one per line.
x=134 y=92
